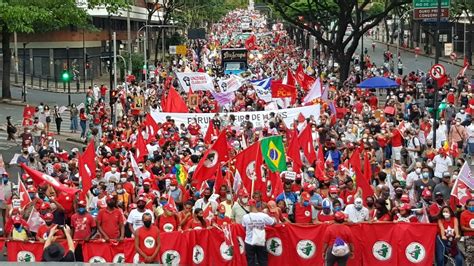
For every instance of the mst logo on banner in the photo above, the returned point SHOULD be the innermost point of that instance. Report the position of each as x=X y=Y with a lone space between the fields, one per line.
x=257 y=118
x=196 y=81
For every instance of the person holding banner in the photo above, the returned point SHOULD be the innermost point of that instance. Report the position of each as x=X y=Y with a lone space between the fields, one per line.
x=338 y=242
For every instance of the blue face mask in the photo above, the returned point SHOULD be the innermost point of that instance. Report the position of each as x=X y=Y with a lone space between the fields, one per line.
x=81 y=210
x=470 y=208
x=163 y=202
x=32 y=195
x=5 y=180
x=221 y=215
x=426 y=175
x=336 y=209
x=388 y=165
x=306 y=203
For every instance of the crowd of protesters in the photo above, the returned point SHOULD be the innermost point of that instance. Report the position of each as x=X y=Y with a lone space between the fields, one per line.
x=412 y=176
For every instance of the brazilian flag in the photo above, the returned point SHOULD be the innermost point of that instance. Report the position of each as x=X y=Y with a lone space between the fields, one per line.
x=273 y=153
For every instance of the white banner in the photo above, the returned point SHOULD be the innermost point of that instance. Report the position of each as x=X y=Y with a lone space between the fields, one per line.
x=197 y=81
x=257 y=118
x=229 y=85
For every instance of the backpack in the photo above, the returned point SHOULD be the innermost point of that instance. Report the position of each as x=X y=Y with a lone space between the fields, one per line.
x=340 y=248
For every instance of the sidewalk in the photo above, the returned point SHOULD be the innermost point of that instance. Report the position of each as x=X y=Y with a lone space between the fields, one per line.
x=459 y=62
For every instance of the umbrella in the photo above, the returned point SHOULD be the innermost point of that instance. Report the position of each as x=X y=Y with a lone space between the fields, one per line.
x=378 y=83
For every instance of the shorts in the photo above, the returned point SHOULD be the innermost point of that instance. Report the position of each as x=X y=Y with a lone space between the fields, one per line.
x=397 y=153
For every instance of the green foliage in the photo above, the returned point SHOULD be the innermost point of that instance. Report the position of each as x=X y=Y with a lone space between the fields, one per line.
x=195 y=12
x=137 y=63
x=112 y=6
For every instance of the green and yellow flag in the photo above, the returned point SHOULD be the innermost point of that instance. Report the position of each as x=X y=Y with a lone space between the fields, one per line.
x=181 y=174
x=273 y=153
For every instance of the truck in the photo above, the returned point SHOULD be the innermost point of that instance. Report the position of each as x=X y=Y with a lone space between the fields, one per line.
x=234 y=60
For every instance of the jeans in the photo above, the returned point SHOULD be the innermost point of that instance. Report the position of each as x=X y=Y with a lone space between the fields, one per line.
x=83 y=124
x=441 y=250
x=332 y=260
x=74 y=123
x=256 y=254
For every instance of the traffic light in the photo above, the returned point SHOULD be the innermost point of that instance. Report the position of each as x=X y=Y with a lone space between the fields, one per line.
x=65 y=76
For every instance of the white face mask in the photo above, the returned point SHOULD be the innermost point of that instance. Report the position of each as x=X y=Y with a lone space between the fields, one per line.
x=172 y=187
x=123 y=180
x=228 y=197
x=418 y=171
x=245 y=200
x=446 y=215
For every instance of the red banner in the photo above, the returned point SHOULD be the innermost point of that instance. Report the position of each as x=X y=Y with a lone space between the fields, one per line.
x=289 y=244
x=280 y=90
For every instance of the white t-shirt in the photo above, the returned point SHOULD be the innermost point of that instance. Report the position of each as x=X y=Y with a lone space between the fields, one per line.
x=255 y=220
x=135 y=218
x=356 y=216
x=441 y=165
x=470 y=133
x=109 y=174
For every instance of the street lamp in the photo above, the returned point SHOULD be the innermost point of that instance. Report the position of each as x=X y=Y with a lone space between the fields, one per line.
x=24 y=72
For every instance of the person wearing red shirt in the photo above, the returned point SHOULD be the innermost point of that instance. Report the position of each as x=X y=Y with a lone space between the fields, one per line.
x=198 y=221
x=110 y=220
x=325 y=215
x=67 y=202
x=405 y=214
x=103 y=91
x=186 y=214
x=381 y=213
x=44 y=229
x=169 y=220
x=220 y=219
x=304 y=211
x=338 y=231
x=397 y=143
x=147 y=240
x=467 y=219
x=83 y=225
x=448 y=233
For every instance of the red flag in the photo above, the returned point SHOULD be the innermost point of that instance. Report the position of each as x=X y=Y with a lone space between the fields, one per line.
x=290 y=78
x=207 y=166
x=379 y=247
x=211 y=132
x=24 y=196
x=419 y=247
x=248 y=163
x=280 y=90
x=140 y=147
x=220 y=180
x=39 y=178
x=250 y=43
x=303 y=79
x=319 y=171
x=100 y=252
x=306 y=142
x=367 y=167
x=367 y=190
x=274 y=186
x=293 y=150
x=461 y=192
x=20 y=251
x=150 y=125
x=85 y=175
x=174 y=103
x=462 y=72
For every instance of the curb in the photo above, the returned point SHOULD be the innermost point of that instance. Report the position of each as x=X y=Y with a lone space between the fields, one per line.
x=75 y=140
x=36 y=88
x=13 y=102
x=421 y=54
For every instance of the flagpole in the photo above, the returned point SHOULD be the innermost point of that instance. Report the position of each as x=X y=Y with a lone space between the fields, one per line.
x=253 y=184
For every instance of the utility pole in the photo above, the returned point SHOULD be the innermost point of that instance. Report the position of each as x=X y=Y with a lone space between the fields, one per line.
x=438 y=51
x=69 y=80
x=24 y=72
x=129 y=42
x=112 y=101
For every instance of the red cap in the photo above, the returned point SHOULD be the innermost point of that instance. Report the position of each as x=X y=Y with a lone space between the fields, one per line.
x=45 y=206
x=109 y=198
x=405 y=207
x=146 y=183
x=16 y=219
x=221 y=208
x=112 y=160
x=252 y=202
x=333 y=189
x=339 y=216
x=169 y=207
x=48 y=216
x=308 y=187
x=81 y=203
x=242 y=193
x=31 y=190
x=174 y=182
x=405 y=198
x=141 y=198
x=426 y=193
x=305 y=196
x=57 y=166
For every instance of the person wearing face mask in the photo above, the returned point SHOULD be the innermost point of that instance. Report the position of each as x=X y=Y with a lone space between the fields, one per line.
x=448 y=235
x=20 y=230
x=435 y=208
x=424 y=183
x=113 y=173
x=304 y=211
x=338 y=243
x=168 y=221
x=325 y=215
x=123 y=198
x=412 y=177
x=333 y=197
x=147 y=240
x=205 y=201
x=356 y=212
x=44 y=229
x=370 y=202
x=458 y=134
x=221 y=219
x=404 y=214
x=467 y=226
x=381 y=213
x=7 y=192
x=134 y=219
x=176 y=193
x=111 y=221
x=83 y=227
x=240 y=207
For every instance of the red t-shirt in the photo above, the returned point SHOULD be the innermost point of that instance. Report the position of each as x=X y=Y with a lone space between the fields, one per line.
x=434 y=210
x=303 y=214
x=397 y=139
x=325 y=218
x=103 y=90
x=43 y=232
x=337 y=230
x=192 y=224
x=467 y=220
x=67 y=201
x=221 y=221
x=167 y=223
x=448 y=227
x=82 y=225
x=147 y=238
x=111 y=221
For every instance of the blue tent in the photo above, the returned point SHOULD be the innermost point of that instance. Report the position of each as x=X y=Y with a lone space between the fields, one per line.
x=378 y=83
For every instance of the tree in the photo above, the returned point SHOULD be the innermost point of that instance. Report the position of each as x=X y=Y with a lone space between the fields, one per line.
x=33 y=16
x=40 y=16
x=465 y=8
x=317 y=16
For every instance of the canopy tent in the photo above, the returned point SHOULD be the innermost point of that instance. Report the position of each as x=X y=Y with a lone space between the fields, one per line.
x=378 y=83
